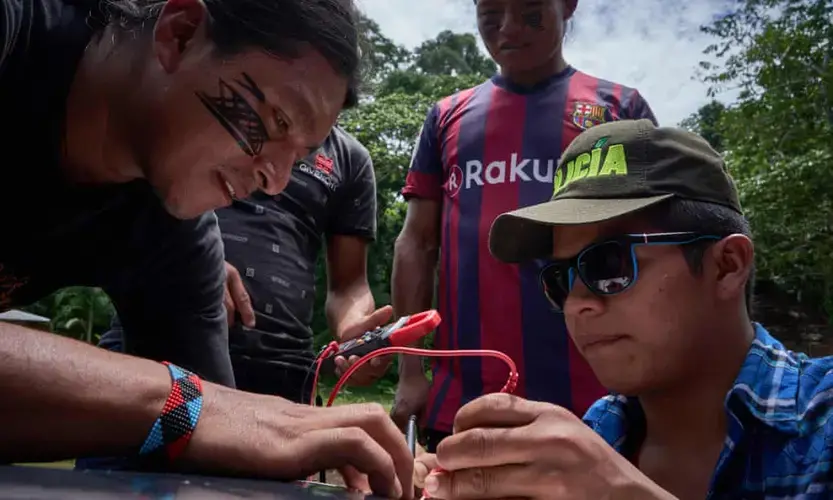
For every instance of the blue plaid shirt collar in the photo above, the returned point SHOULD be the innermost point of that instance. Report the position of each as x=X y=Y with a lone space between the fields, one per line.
x=776 y=389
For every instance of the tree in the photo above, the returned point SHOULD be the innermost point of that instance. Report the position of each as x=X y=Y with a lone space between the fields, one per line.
x=409 y=82
x=440 y=67
x=706 y=123
x=777 y=136
x=452 y=54
x=380 y=55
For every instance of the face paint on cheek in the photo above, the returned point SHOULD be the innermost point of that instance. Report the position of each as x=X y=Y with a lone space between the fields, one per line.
x=490 y=23
x=534 y=18
x=235 y=114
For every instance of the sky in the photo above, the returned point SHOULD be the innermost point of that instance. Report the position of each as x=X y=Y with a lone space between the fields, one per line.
x=652 y=45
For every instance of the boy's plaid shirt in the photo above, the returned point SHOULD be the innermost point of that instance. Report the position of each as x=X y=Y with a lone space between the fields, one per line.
x=780 y=439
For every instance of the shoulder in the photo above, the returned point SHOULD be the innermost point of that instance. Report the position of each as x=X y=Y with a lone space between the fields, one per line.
x=617 y=88
x=815 y=394
x=351 y=156
x=810 y=450
x=178 y=242
x=458 y=98
x=611 y=92
x=446 y=108
x=608 y=416
x=345 y=143
x=787 y=389
x=172 y=264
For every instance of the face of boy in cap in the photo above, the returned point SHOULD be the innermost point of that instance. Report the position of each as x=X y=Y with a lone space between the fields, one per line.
x=648 y=334
x=632 y=305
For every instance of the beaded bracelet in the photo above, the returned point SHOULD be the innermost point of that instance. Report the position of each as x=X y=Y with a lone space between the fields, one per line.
x=173 y=429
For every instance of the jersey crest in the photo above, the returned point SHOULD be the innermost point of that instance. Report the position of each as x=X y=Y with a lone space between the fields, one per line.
x=586 y=115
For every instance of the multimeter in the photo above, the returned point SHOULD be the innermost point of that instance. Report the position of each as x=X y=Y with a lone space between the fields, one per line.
x=400 y=333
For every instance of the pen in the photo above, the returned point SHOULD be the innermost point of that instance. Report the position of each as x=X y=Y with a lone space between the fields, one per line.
x=411 y=434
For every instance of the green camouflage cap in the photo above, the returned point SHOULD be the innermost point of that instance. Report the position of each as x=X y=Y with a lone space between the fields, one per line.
x=611 y=170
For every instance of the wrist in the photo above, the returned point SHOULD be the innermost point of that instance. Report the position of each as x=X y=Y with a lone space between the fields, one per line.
x=411 y=368
x=174 y=426
x=221 y=443
x=204 y=447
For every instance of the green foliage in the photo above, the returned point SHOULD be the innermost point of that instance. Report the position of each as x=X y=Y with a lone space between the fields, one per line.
x=436 y=87
x=706 y=123
x=452 y=54
x=78 y=312
x=380 y=55
x=777 y=136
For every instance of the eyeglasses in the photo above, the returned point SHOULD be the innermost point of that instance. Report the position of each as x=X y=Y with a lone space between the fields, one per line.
x=608 y=267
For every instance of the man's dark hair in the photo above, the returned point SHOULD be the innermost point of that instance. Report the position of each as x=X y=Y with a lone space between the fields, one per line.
x=677 y=215
x=279 y=27
x=351 y=100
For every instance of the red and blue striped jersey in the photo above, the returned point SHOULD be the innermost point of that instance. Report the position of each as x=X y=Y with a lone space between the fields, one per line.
x=484 y=151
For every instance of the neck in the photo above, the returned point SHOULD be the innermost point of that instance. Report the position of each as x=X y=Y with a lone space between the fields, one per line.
x=697 y=405
x=97 y=149
x=531 y=76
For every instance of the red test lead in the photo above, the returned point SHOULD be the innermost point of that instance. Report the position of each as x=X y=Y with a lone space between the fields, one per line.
x=393 y=339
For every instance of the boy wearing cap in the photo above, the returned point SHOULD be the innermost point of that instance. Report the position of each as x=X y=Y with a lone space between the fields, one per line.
x=484 y=151
x=651 y=260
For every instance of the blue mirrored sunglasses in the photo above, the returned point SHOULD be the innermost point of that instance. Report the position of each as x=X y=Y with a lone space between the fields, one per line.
x=607 y=267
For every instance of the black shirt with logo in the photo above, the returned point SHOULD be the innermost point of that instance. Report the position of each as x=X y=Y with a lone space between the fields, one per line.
x=164 y=275
x=275 y=241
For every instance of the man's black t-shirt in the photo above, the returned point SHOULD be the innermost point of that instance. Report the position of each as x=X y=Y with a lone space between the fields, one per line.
x=274 y=242
x=165 y=276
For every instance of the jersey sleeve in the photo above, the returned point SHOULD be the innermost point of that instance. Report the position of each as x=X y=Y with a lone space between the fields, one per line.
x=354 y=213
x=170 y=305
x=11 y=20
x=425 y=174
x=635 y=107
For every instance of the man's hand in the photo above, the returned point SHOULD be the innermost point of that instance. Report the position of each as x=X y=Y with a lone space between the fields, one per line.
x=374 y=369
x=270 y=437
x=507 y=447
x=410 y=399
x=236 y=298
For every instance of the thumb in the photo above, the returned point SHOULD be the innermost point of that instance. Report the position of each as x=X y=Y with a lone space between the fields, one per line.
x=378 y=317
x=424 y=463
x=355 y=480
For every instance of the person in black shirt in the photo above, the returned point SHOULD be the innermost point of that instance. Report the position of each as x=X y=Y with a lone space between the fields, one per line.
x=272 y=244
x=133 y=120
